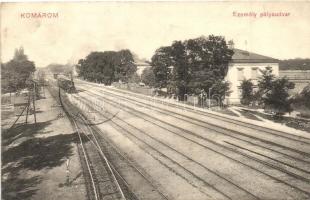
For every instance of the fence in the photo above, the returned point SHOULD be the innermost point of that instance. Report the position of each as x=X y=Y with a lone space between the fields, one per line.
x=135 y=88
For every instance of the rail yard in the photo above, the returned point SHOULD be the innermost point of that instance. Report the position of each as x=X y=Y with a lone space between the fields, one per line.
x=138 y=147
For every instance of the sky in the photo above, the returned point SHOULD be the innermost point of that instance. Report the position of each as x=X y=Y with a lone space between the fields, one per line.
x=142 y=27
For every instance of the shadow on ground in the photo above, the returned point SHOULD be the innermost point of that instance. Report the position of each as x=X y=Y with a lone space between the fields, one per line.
x=16 y=188
x=21 y=151
x=23 y=130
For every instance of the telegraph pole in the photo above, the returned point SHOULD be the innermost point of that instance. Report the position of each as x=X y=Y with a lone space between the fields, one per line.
x=28 y=106
x=43 y=87
x=33 y=101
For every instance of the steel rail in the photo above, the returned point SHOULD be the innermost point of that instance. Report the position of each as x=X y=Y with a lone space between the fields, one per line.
x=249 y=142
x=112 y=167
x=97 y=146
x=71 y=118
x=190 y=132
x=128 y=161
x=87 y=162
x=105 y=159
x=248 y=125
x=209 y=124
x=280 y=169
x=187 y=107
x=212 y=172
x=219 y=127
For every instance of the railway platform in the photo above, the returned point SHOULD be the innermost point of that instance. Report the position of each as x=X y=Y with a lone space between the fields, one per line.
x=41 y=161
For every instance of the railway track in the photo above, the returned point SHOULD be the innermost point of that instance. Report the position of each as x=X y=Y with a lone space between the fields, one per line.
x=222 y=196
x=279 y=180
x=225 y=131
x=184 y=130
x=124 y=167
x=114 y=164
x=99 y=177
x=185 y=107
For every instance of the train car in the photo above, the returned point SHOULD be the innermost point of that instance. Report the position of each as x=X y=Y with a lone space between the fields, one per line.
x=66 y=84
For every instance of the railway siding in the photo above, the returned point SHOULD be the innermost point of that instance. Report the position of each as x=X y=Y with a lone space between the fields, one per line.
x=133 y=117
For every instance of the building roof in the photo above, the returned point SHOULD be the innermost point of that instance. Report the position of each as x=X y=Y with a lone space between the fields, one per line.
x=241 y=56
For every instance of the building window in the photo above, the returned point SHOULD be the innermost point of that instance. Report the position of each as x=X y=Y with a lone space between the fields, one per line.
x=254 y=73
x=240 y=74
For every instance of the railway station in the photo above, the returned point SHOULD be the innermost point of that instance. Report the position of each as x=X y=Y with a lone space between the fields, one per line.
x=155 y=101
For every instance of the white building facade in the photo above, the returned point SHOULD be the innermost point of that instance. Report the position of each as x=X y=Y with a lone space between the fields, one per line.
x=247 y=65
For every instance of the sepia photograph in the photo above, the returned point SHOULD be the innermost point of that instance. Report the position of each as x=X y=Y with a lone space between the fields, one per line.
x=155 y=100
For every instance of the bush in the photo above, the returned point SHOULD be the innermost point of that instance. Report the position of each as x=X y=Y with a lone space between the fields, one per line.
x=247 y=95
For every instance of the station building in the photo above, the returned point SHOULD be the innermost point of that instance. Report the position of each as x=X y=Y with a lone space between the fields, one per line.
x=247 y=65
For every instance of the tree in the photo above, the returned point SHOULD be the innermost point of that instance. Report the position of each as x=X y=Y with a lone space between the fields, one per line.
x=197 y=64
x=148 y=77
x=303 y=98
x=15 y=72
x=220 y=89
x=208 y=59
x=247 y=95
x=273 y=92
x=277 y=98
x=265 y=82
x=134 y=78
x=161 y=63
x=124 y=65
x=107 y=67
x=180 y=73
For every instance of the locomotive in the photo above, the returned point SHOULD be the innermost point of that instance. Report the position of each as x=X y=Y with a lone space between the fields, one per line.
x=66 y=84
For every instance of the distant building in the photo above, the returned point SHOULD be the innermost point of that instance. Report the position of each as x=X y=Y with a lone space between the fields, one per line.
x=247 y=65
x=141 y=66
x=301 y=78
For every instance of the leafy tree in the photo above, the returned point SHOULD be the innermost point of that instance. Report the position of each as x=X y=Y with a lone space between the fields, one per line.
x=161 y=63
x=198 y=64
x=303 y=98
x=180 y=73
x=277 y=98
x=273 y=92
x=107 y=67
x=247 y=95
x=208 y=58
x=265 y=81
x=148 y=77
x=220 y=89
x=19 y=55
x=92 y=68
x=15 y=72
x=124 y=65
x=134 y=78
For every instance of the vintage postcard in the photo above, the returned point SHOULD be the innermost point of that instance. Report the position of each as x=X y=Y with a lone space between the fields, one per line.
x=137 y=100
